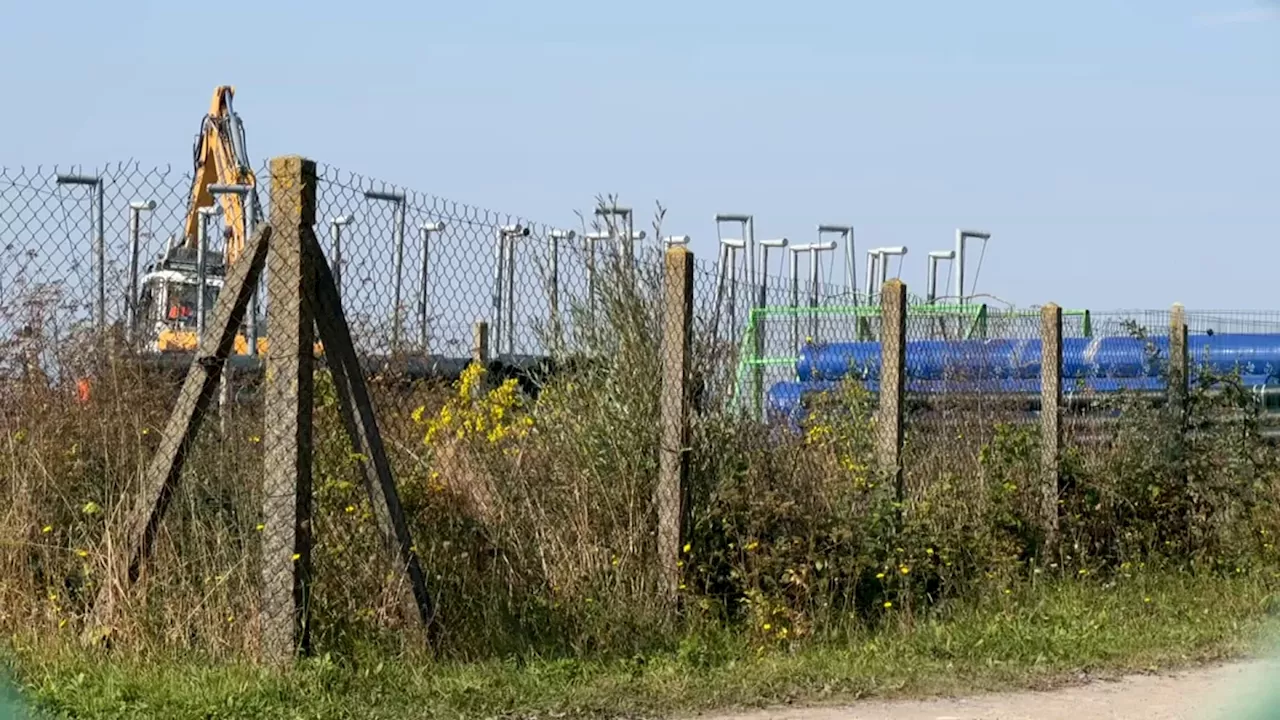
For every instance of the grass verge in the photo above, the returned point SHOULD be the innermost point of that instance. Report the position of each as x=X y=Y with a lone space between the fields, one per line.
x=1028 y=637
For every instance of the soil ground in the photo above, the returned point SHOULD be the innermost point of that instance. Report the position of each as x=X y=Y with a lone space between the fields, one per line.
x=1236 y=690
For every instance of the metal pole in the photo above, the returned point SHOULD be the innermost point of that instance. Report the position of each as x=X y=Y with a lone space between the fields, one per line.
x=246 y=195
x=244 y=192
x=759 y=322
x=424 y=295
x=497 y=291
x=728 y=275
x=813 y=292
x=850 y=271
x=752 y=278
x=101 y=251
x=961 y=237
x=504 y=284
x=933 y=280
x=934 y=257
x=509 y=324
x=202 y=265
x=873 y=260
x=397 y=320
x=733 y=289
x=624 y=235
x=202 y=240
x=748 y=239
x=131 y=315
x=764 y=267
x=136 y=208
x=250 y=226
x=398 y=200
x=589 y=242
x=97 y=230
x=553 y=284
x=335 y=237
x=795 y=298
x=812 y=249
x=878 y=265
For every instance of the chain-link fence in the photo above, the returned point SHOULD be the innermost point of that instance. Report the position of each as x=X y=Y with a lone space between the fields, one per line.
x=534 y=396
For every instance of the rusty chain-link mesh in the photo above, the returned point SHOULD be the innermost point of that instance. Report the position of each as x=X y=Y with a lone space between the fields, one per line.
x=527 y=480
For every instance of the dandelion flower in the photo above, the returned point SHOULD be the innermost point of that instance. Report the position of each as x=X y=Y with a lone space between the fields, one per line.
x=887 y=604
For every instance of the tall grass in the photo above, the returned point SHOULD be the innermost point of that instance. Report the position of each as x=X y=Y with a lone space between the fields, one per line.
x=531 y=504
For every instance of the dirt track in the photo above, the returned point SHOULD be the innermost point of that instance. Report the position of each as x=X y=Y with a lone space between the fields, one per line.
x=1203 y=694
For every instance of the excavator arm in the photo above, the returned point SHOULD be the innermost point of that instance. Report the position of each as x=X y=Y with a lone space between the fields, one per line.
x=221 y=158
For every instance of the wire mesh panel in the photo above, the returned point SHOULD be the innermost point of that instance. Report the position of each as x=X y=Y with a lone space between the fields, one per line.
x=963 y=394
x=534 y=482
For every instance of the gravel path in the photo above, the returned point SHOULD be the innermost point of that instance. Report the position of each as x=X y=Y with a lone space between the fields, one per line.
x=1202 y=694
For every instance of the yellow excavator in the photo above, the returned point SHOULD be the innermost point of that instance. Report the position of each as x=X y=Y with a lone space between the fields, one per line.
x=169 y=303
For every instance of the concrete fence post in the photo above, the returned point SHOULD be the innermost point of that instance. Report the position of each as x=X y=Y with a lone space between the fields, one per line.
x=893 y=380
x=1179 y=362
x=1050 y=420
x=673 y=469
x=286 y=512
x=480 y=343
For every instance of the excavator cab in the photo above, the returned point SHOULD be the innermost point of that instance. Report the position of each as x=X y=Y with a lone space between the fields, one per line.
x=169 y=300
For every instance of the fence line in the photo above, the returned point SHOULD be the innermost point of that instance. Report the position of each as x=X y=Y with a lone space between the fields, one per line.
x=581 y=457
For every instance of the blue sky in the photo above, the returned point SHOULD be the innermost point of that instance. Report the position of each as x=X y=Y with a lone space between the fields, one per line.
x=1123 y=154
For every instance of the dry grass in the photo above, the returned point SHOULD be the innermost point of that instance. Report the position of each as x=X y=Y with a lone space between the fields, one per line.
x=532 y=512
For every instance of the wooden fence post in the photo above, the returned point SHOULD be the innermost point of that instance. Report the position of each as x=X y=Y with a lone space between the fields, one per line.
x=1050 y=420
x=673 y=470
x=286 y=511
x=893 y=370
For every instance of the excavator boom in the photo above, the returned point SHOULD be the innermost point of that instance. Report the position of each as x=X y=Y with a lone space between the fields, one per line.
x=221 y=158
